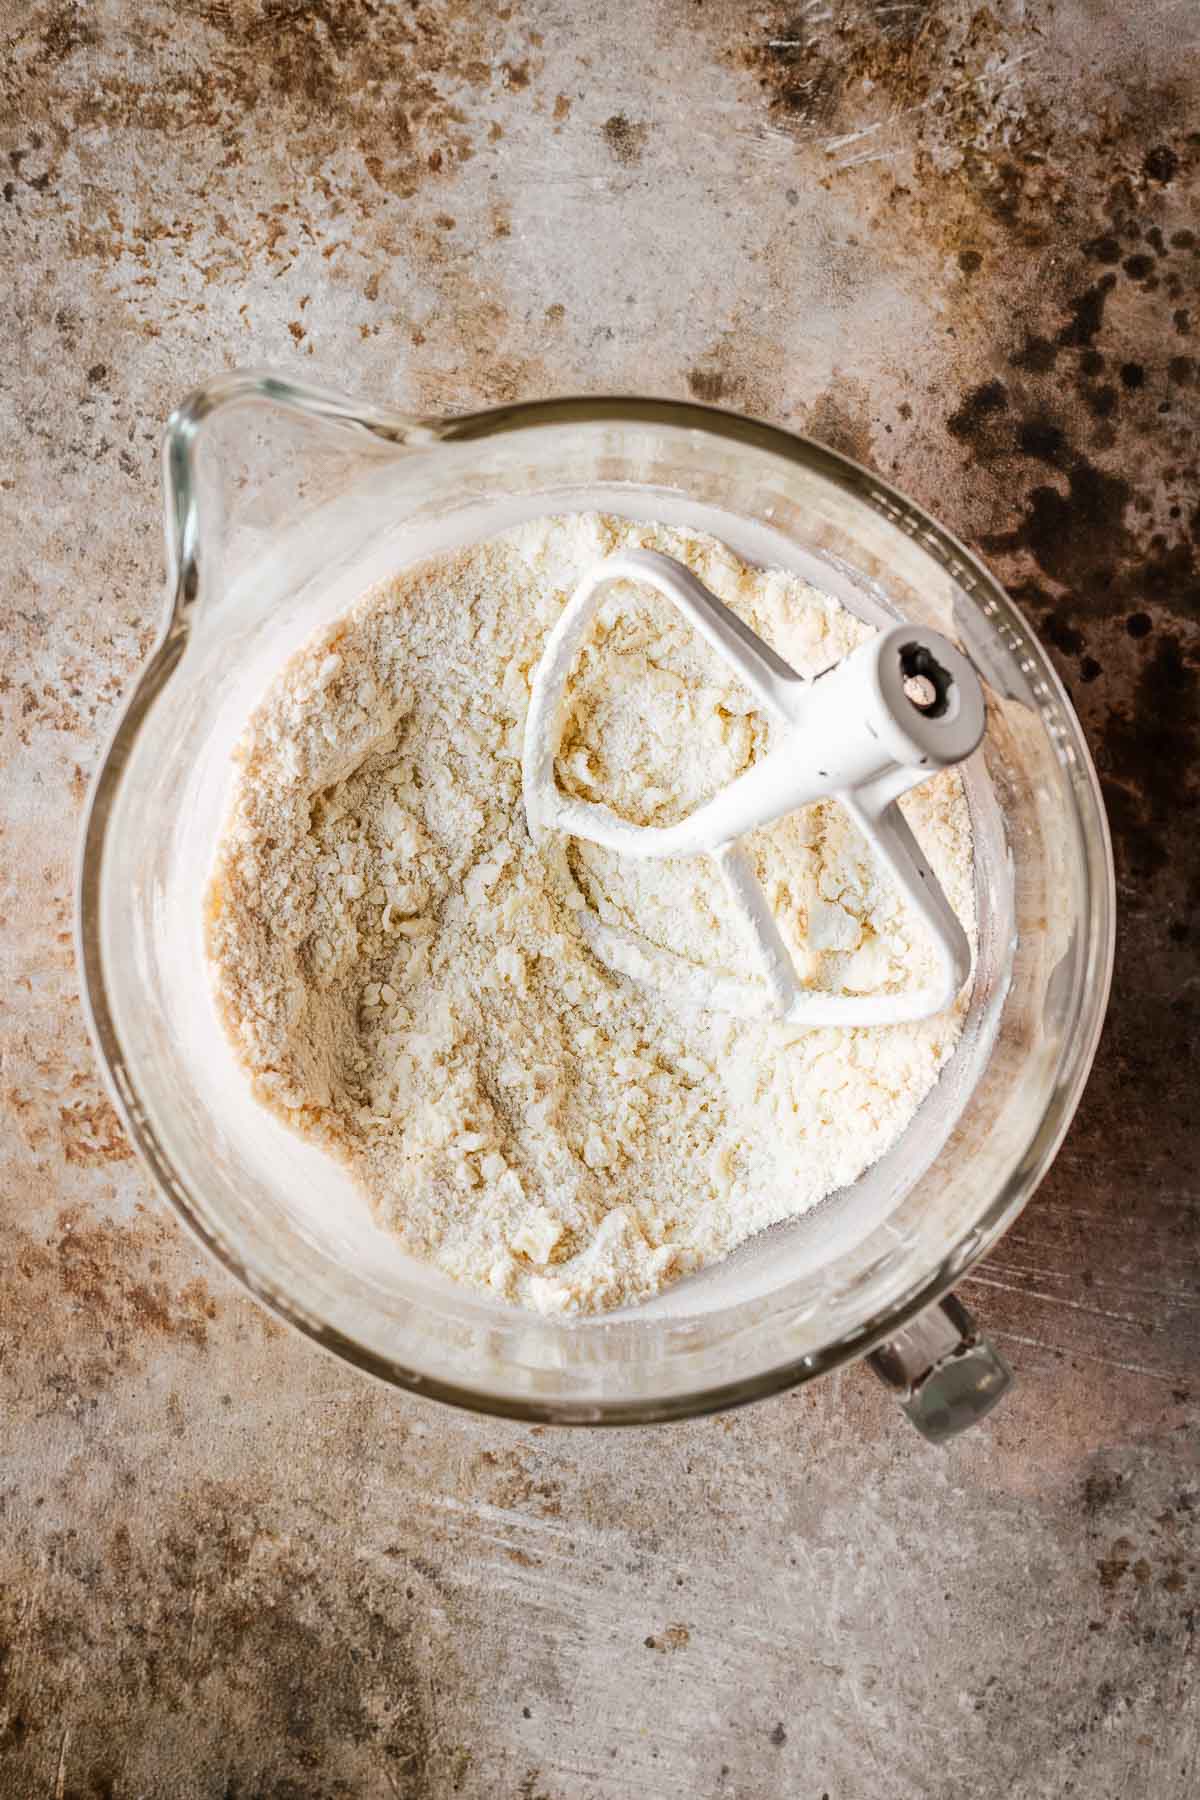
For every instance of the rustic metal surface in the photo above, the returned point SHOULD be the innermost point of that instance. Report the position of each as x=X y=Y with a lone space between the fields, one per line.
x=958 y=241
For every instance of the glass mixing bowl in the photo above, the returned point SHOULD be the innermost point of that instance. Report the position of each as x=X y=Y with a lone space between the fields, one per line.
x=283 y=504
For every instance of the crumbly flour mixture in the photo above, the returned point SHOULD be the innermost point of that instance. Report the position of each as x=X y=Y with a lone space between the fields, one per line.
x=404 y=980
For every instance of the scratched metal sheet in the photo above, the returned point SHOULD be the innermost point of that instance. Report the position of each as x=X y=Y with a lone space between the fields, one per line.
x=959 y=242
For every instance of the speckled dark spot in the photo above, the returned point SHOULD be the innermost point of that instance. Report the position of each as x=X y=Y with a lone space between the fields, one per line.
x=1101 y=402
x=1087 y=312
x=977 y=408
x=1037 y=354
x=1040 y=438
x=1101 y=1490
x=1112 y=1567
x=1151 y=747
x=625 y=139
x=707 y=384
x=1058 y=630
x=1106 y=249
x=1077 y=536
x=969 y=261
x=1161 y=163
x=1133 y=375
x=841 y=419
x=1138 y=267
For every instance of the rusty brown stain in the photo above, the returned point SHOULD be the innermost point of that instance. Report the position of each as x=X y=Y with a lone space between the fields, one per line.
x=92 y=1134
x=1116 y=1564
x=508 y=1482
x=707 y=384
x=733 y=372
x=626 y=138
x=841 y=418
x=317 y=65
x=1101 y=1490
x=523 y=1559
x=101 y=1267
x=238 y=1594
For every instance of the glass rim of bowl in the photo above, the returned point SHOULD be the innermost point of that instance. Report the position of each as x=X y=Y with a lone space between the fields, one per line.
x=398 y=429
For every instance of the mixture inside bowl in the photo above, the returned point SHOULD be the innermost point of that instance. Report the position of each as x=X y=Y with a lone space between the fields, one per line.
x=404 y=979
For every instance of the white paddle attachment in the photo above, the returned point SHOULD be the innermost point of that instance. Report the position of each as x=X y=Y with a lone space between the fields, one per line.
x=866 y=731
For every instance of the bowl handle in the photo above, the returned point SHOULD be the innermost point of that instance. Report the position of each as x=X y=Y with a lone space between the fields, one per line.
x=945 y=1372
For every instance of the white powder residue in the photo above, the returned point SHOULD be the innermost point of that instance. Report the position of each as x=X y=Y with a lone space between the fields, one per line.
x=404 y=979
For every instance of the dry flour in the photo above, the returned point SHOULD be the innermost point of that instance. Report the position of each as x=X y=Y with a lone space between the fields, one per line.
x=403 y=978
